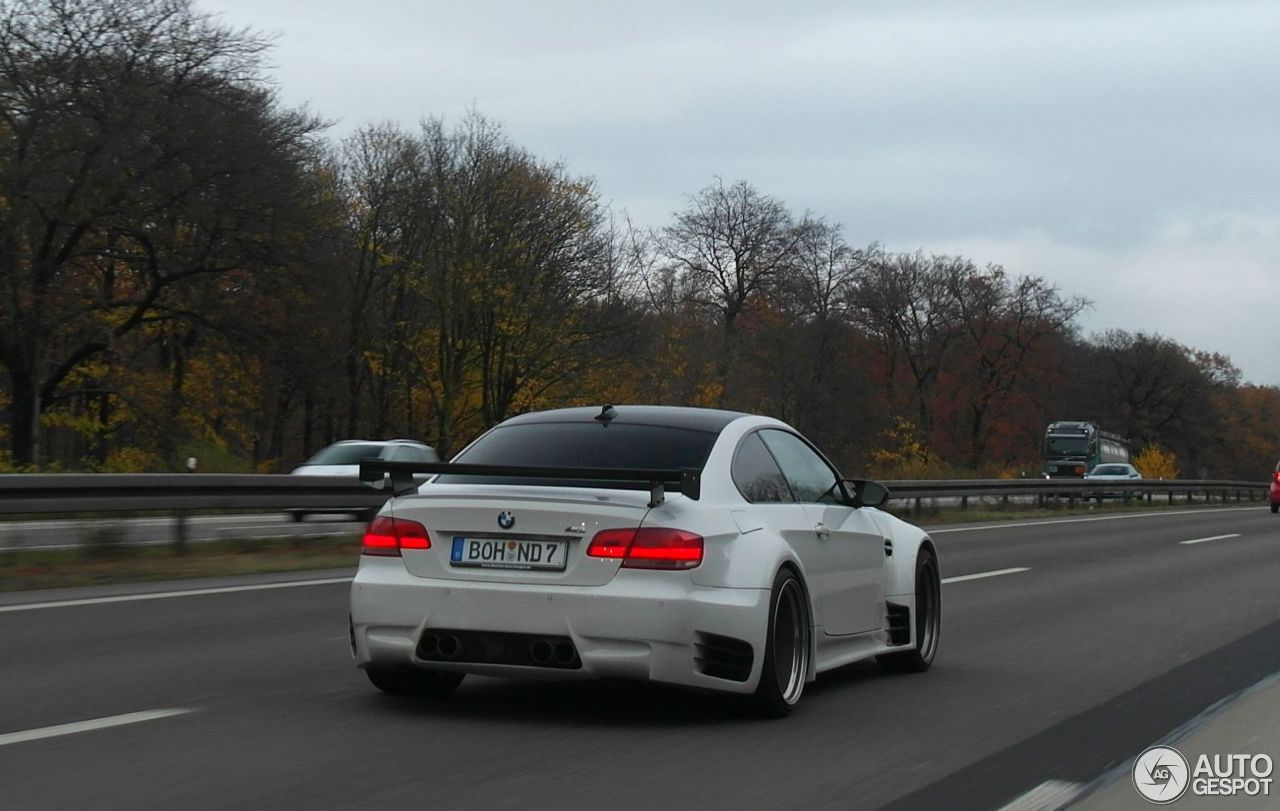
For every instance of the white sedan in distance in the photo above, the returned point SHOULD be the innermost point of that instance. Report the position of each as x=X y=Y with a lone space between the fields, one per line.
x=694 y=547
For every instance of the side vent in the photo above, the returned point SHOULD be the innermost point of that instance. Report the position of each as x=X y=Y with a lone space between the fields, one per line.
x=723 y=657
x=899 y=624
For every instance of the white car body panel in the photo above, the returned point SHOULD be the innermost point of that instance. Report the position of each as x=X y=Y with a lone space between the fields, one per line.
x=639 y=623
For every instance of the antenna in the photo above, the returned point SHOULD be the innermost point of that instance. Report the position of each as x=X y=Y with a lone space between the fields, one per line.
x=606 y=415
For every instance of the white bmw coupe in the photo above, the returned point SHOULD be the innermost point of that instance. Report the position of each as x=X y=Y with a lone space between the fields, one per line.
x=695 y=547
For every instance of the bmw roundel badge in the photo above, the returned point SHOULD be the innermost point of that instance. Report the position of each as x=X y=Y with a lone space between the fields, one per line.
x=506 y=519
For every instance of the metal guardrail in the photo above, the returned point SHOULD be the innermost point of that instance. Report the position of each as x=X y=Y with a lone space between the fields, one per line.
x=1073 y=489
x=127 y=492
x=124 y=492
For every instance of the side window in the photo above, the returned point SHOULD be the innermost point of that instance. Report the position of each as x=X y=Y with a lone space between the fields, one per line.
x=757 y=475
x=811 y=479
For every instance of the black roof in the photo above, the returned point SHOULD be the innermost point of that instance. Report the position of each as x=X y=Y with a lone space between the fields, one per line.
x=697 y=419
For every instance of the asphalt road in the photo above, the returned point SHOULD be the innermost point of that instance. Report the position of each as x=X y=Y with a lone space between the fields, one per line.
x=1115 y=632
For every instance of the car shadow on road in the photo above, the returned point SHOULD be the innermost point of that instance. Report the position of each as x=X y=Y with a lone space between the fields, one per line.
x=610 y=702
x=607 y=702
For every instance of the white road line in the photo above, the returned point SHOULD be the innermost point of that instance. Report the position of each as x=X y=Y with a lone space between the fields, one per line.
x=164 y=595
x=1051 y=521
x=1210 y=538
x=1048 y=796
x=88 y=726
x=982 y=575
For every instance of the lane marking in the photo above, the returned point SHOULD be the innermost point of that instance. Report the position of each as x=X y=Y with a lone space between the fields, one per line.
x=89 y=726
x=1052 y=521
x=1048 y=796
x=1210 y=538
x=983 y=575
x=164 y=595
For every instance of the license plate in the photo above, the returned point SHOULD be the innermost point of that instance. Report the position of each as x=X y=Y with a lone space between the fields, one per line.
x=508 y=553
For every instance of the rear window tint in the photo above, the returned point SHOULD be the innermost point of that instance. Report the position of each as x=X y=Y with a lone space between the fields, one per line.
x=412 y=453
x=580 y=444
x=345 y=454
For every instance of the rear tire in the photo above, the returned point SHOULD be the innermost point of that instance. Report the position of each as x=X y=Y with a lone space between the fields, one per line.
x=1275 y=508
x=413 y=682
x=786 y=655
x=927 y=617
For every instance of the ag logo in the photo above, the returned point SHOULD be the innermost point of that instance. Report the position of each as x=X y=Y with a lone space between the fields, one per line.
x=506 y=519
x=1161 y=774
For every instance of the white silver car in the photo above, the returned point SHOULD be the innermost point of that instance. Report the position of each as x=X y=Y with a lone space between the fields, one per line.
x=695 y=547
x=1113 y=472
x=343 y=459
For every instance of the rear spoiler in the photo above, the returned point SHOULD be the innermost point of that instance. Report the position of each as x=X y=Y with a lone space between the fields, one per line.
x=374 y=471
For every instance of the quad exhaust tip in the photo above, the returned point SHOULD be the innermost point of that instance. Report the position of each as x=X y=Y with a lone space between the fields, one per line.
x=541 y=651
x=498 y=648
x=449 y=646
x=446 y=646
x=564 y=653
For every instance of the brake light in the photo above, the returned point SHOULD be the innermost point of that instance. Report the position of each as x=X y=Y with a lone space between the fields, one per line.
x=648 y=547
x=1276 y=476
x=386 y=536
x=611 y=543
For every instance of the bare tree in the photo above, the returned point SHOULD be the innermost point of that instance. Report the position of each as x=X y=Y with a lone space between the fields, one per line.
x=380 y=171
x=1006 y=320
x=1158 y=390
x=730 y=245
x=139 y=152
x=905 y=302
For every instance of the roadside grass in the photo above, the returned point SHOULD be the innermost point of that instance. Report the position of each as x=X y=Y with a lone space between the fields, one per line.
x=103 y=559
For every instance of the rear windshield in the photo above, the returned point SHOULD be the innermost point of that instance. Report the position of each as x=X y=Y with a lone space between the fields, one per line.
x=345 y=454
x=1111 y=470
x=581 y=444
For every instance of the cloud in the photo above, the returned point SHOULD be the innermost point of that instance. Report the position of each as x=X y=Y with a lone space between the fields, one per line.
x=1210 y=283
x=1128 y=151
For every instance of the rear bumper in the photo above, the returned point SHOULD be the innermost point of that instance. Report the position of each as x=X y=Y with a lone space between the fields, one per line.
x=1275 y=493
x=640 y=625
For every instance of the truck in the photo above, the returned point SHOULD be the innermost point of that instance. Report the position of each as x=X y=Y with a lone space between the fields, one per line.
x=1072 y=448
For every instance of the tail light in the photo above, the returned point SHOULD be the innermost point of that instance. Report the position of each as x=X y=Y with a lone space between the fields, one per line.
x=648 y=547
x=386 y=536
x=1275 y=477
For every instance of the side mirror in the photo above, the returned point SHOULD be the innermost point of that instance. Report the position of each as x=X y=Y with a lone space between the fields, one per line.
x=865 y=493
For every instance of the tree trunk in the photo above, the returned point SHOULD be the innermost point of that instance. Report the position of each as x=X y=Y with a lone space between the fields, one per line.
x=22 y=418
x=308 y=412
x=724 y=369
x=275 y=448
x=102 y=447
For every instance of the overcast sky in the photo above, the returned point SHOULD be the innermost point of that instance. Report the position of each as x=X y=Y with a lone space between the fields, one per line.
x=1129 y=152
